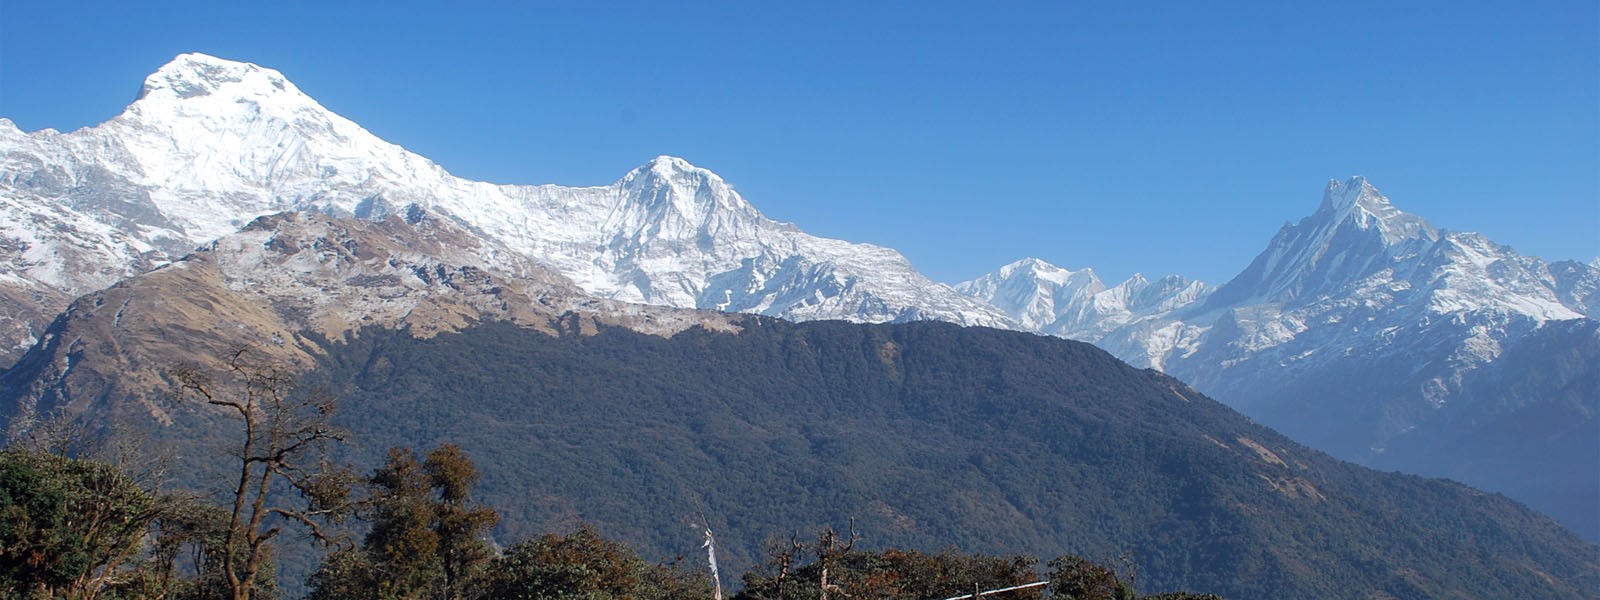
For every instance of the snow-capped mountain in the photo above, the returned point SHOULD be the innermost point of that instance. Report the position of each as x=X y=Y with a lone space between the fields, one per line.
x=1358 y=329
x=1346 y=280
x=1361 y=277
x=1077 y=304
x=211 y=144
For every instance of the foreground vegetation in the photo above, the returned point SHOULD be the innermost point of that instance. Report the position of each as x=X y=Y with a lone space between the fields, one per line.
x=85 y=516
x=82 y=529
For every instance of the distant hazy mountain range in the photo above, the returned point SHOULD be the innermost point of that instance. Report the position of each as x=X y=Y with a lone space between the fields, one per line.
x=1361 y=330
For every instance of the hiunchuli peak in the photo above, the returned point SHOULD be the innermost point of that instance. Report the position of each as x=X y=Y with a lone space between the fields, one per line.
x=677 y=171
x=693 y=192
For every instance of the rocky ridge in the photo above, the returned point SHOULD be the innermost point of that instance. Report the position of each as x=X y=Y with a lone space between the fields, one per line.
x=289 y=284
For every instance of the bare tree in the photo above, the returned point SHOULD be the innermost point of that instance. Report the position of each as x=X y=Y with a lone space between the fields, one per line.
x=283 y=474
x=785 y=559
x=828 y=549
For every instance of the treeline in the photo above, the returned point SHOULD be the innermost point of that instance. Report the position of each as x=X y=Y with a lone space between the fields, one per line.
x=75 y=528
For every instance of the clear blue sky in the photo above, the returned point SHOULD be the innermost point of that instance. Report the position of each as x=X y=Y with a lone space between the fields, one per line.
x=1158 y=137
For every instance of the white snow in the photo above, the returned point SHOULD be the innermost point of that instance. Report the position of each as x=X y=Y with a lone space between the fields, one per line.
x=214 y=144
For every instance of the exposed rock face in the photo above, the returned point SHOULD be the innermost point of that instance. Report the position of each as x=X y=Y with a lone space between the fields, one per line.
x=288 y=283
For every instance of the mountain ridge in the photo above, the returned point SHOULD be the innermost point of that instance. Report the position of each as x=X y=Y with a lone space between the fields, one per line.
x=211 y=144
x=288 y=284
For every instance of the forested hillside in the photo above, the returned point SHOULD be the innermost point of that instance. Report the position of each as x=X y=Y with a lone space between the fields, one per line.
x=929 y=435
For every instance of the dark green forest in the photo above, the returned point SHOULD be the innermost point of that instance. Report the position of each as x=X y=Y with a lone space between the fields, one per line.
x=932 y=440
x=930 y=436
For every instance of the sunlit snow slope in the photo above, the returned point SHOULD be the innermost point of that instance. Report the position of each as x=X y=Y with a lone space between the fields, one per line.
x=211 y=144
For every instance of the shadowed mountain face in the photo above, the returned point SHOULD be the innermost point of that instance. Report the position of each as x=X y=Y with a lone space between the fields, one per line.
x=1363 y=331
x=1524 y=424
